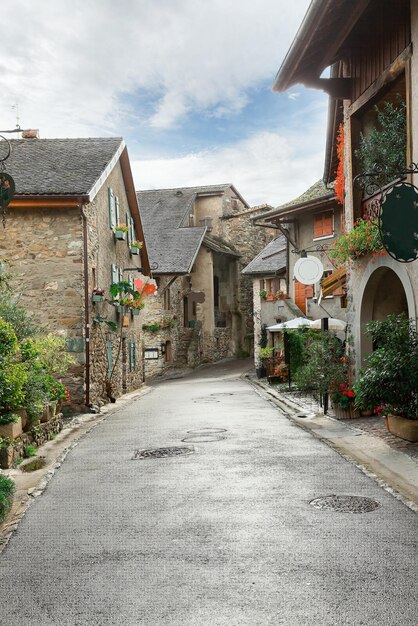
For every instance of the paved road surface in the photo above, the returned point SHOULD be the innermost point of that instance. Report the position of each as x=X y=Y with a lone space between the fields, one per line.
x=222 y=536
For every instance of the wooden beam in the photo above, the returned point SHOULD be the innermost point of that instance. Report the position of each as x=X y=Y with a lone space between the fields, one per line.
x=387 y=77
x=44 y=201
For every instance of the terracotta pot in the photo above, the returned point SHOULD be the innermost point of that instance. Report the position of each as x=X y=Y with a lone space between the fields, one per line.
x=402 y=427
x=366 y=413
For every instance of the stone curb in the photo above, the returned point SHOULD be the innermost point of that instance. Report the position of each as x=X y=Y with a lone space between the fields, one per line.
x=56 y=454
x=378 y=461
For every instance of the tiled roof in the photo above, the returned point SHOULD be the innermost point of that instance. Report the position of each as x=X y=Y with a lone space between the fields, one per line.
x=163 y=213
x=60 y=166
x=272 y=259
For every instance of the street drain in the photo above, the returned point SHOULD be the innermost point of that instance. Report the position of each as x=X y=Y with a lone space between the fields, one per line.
x=161 y=453
x=206 y=431
x=345 y=504
x=203 y=438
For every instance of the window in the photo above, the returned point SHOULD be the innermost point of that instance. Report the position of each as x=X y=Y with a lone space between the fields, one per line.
x=132 y=356
x=109 y=349
x=114 y=208
x=324 y=224
x=167 y=299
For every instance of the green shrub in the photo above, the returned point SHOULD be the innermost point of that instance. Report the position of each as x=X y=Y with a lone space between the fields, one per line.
x=13 y=377
x=8 y=339
x=23 y=322
x=390 y=378
x=7 y=488
x=30 y=451
x=384 y=147
x=8 y=418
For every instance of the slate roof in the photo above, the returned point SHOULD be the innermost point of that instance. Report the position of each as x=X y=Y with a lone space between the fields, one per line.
x=163 y=213
x=272 y=259
x=316 y=193
x=220 y=246
x=55 y=167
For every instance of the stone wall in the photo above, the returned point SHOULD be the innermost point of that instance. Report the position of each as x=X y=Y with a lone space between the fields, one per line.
x=45 y=247
x=104 y=250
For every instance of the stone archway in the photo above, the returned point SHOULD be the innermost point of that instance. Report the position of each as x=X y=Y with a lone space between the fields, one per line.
x=385 y=288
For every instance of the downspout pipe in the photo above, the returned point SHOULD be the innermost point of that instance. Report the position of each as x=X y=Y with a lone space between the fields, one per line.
x=86 y=309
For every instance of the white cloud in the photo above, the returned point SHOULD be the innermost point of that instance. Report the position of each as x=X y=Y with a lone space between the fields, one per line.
x=70 y=66
x=266 y=167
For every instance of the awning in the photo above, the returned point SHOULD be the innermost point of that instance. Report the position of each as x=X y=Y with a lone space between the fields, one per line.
x=334 y=281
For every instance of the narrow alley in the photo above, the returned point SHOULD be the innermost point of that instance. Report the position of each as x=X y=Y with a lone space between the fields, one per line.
x=215 y=528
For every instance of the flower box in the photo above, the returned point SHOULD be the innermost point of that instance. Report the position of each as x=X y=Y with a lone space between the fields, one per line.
x=12 y=430
x=120 y=234
x=401 y=427
x=135 y=311
x=345 y=414
x=97 y=298
x=134 y=250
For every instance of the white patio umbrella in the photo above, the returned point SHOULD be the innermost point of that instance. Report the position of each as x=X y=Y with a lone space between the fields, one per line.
x=333 y=324
x=297 y=322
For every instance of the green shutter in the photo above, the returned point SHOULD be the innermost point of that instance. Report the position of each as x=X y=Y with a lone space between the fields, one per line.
x=109 y=348
x=115 y=274
x=117 y=210
x=120 y=275
x=131 y=281
x=132 y=229
x=112 y=212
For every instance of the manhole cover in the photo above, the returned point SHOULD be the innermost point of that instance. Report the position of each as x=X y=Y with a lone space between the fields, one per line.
x=206 y=431
x=161 y=453
x=203 y=438
x=345 y=504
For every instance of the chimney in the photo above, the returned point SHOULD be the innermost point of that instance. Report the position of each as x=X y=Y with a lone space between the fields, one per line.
x=32 y=133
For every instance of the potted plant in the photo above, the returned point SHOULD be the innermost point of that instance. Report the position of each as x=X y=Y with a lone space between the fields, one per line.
x=390 y=377
x=135 y=247
x=97 y=295
x=343 y=402
x=120 y=231
x=263 y=294
x=363 y=239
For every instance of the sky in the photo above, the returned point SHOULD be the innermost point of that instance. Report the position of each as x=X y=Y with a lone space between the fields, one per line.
x=186 y=83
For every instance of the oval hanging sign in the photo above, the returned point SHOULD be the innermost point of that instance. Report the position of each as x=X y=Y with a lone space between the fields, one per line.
x=308 y=270
x=398 y=222
x=7 y=189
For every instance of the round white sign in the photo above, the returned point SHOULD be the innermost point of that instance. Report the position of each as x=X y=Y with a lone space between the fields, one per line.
x=308 y=270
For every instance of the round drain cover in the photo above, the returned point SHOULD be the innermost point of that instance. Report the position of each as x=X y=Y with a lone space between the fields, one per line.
x=161 y=453
x=345 y=504
x=206 y=431
x=203 y=438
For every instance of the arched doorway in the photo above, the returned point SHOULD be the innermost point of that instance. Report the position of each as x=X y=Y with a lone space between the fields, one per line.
x=384 y=294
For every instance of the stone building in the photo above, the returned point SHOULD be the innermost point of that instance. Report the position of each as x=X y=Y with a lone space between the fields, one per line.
x=199 y=239
x=311 y=223
x=371 y=50
x=271 y=303
x=60 y=239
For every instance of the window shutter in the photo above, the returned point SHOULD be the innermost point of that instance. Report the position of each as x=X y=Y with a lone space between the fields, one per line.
x=112 y=211
x=115 y=274
x=109 y=348
x=309 y=291
x=120 y=275
x=323 y=224
x=131 y=281
x=276 y=284
x=261 y=285
x=117 y=210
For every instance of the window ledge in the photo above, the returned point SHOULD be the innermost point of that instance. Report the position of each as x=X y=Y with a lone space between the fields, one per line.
x=324 y=237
